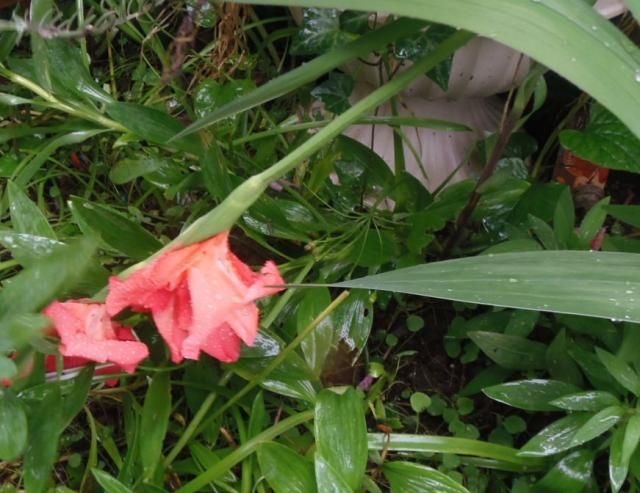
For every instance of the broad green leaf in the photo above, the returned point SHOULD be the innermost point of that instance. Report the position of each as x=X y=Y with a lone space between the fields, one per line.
x=341 y=434
x=129 y=169
x=320 y=31
x=521 y=323
x=598 y=424
x=420 y=44
x=258 y=417
x=629 y=214
x=207 y=458
x=621 y=371
x=519 y=245
x=8 y=368
x=593 y=221
x=596 y=328
x=605 y=141
x=61 y=68
x=27 y=248
x=531 y=395
x=590 y=401
x=45 y=426
x=631 y=438
x=487 y=377
x=8 y=40
x=33 y=165
x=555 y=438
x=335 y=92
x=285 y=470
x=26 y=217
x=75 y=400
x=328 y=480
x=310 y=71
x=316 y=345
x=595 y=371
x=13 y=426
x=154 y=423
x=115 y=229
x=292 y=377
x=568 y=37
x=64 y=270
x=564 y=219
x=618 y=469
x=634 y=7
x=559 y=364
x=109 y=483
x=546 y=281
x=353 y=319
x=154 y=125
x=407 y=477
x=570 y=475
x=543 y=232
x=511 y=352
x=211 y=95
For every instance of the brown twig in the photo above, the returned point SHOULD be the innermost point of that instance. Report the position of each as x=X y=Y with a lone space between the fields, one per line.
x=508 y=124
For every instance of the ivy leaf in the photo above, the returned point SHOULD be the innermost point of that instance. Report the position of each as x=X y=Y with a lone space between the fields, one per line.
x=321 y=31
x=421 y=44
x=606 y=141
x=335 y=92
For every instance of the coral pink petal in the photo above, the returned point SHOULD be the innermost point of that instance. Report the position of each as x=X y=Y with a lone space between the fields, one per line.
x=86 y=331
x=244 y=322
x=210 y=304
x=222 y=344
x=269 y=276
x=126 y=354
x=167 y=320
x=65 y=318
x=166 y=270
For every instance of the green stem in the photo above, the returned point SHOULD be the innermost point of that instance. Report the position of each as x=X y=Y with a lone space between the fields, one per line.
x=55 y=102
x=451 y=445
x=244 y=450
x=195 y=422
x=239 y=200
x=391 y=121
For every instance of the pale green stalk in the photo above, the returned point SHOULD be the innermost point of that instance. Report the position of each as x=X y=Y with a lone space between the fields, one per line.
x=59 y=105
x=224 y=216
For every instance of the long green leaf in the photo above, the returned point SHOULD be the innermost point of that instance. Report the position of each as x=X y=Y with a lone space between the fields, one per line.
x=598 y=284
x=406 y=477
x=341 y=434
x=398 y=442
x=13 y=426
x=308 y=72
x=240 y=199
x=567 y=36
x=155 y=420
x=285 y=470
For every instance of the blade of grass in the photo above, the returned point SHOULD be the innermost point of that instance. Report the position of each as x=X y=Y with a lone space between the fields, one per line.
x=308 y=72
x=596 y=284
x=244 y=451
x=397 y=442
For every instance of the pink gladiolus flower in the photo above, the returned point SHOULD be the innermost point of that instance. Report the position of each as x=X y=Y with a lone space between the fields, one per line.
x=202 y=298
x=86 y=331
